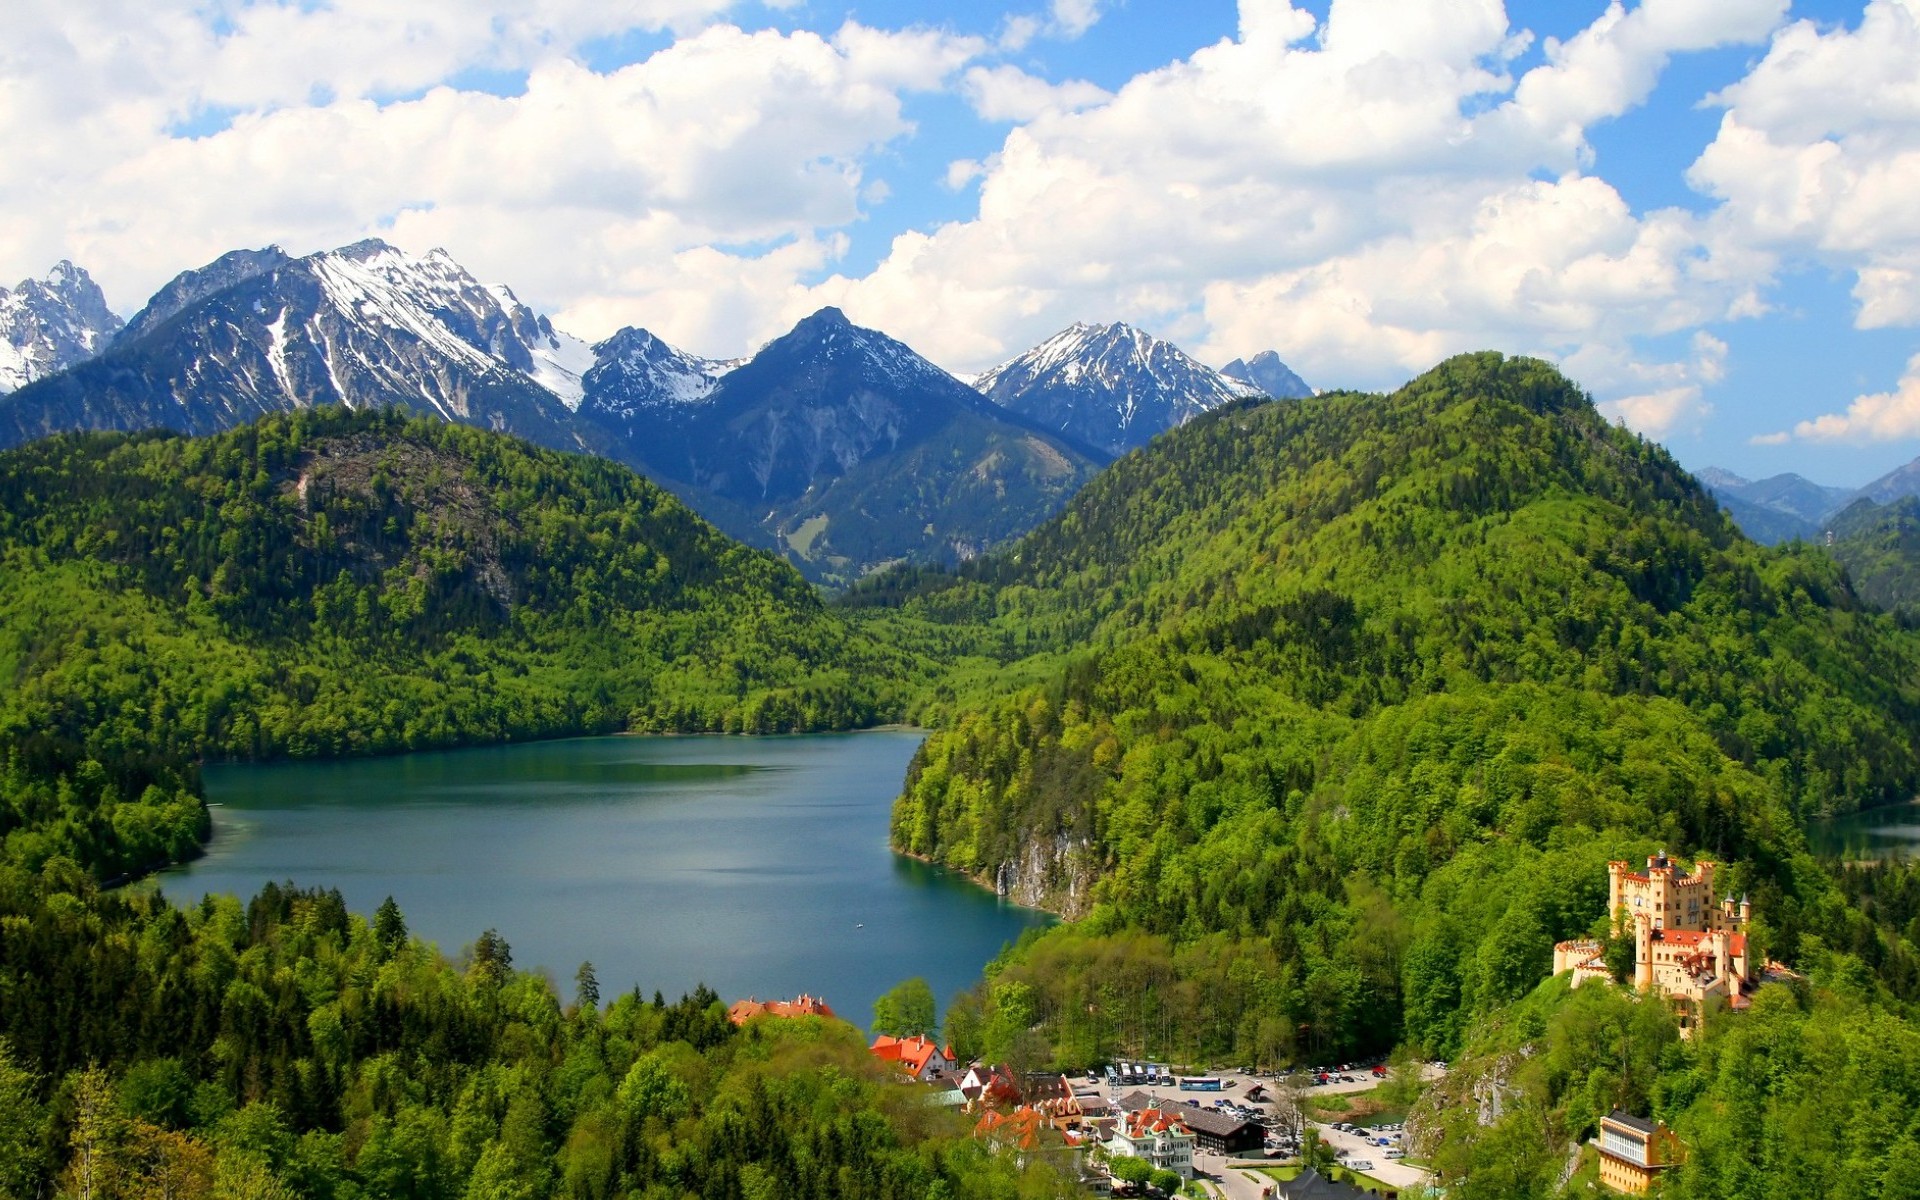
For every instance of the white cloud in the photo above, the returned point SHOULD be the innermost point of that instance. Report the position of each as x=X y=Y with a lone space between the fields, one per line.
x=1880 y=417
x=1006 y=93
x=585 y=188
x=1064 y=19
x=1818 y=156
x=1366 y=196
x=1657 y=414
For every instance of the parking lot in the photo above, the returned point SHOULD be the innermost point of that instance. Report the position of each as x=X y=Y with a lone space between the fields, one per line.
x=1354 y=1147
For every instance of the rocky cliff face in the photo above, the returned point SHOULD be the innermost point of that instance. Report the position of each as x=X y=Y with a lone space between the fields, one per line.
x=1052 y=873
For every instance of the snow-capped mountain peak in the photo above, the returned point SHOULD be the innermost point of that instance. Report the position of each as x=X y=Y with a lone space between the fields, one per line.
x=1112 y=386
x=47 y=325
x=634 y=370
x=435 y=299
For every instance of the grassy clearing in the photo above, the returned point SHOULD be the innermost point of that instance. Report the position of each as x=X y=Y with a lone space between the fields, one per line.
x=1359 y=1108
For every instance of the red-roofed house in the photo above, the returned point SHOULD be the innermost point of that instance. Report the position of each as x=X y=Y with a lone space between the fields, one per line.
x=989 y=1087
x=743 y=1011
x=917 y=1057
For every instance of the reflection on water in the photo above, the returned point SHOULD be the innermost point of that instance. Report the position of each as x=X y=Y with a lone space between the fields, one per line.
x=759 y=866
x=1891 y=832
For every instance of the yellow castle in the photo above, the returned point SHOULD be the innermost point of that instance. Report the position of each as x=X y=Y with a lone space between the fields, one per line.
x=1688 y=944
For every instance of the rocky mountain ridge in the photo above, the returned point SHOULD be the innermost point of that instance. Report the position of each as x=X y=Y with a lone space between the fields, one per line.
x=1109 y=386
x=47 y=325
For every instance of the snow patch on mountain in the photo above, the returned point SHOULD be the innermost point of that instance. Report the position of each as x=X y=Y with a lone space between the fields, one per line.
x=1111 y=386
x=633 y=371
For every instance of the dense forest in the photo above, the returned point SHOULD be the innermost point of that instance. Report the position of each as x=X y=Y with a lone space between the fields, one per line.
x=1330 y=715
x=328 y=583
x=285 y=1048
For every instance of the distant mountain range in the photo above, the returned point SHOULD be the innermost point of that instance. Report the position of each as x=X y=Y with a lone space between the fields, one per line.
x=1879 y=544
x=835 y=444
x=1783 y=507
x=1269 y=375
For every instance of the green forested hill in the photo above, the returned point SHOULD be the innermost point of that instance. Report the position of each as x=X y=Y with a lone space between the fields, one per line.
x=332 y=583
x=1879 y=544
x=1376 y=686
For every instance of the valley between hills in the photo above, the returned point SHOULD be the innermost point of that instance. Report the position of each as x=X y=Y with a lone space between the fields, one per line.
x=1320 y=719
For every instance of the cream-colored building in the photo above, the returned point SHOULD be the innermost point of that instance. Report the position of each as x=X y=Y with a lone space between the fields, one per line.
x=1690 y=946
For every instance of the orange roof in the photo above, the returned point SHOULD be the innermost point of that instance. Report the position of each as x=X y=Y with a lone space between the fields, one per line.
x=1154 y=1120
x=1021 y=1127
x=913 y=1053
x=743 y=1011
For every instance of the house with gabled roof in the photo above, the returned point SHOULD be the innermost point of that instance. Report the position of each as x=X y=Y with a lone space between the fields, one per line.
x=989 y=1086
x=1158 y=1135
x=916 y=1057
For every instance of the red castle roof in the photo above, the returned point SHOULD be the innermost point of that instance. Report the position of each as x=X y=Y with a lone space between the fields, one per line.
x=743 y=1011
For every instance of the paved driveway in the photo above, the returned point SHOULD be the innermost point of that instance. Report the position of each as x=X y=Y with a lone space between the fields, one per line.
x=1236 y=1182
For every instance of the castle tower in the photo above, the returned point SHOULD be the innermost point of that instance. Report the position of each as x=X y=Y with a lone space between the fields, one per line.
x=1642 y=952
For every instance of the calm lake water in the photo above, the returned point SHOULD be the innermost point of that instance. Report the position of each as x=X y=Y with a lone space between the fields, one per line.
x=757 y=865
x=1892 y=832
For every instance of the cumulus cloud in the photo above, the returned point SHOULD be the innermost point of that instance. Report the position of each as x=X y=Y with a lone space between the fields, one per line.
x=1880 y=417
x=1818 y=156
x=1063 y=19
x=1657 y=413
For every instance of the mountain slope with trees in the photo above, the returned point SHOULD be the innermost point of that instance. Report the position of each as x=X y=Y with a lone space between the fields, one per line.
x=1345 y=703
x=1879 y=545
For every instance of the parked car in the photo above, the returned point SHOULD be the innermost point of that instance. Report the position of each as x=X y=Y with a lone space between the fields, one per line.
x=1360 y=1165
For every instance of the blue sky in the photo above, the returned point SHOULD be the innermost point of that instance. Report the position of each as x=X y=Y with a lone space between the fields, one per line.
x=1700 y=208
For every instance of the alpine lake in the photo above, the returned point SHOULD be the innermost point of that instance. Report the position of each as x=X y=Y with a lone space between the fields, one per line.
x=756 y=865
x=1891 y=833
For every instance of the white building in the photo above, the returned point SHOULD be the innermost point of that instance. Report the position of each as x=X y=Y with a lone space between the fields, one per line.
x=1158 y=1136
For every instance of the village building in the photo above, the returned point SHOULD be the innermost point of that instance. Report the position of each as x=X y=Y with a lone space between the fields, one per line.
x=1690 y=946
x=1157 y=1135
x=1633 y=1152
x=1018 y=1130
x=917 y=1057
x=746 y=1010
x=1224 y=1133
x=989 y=1086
